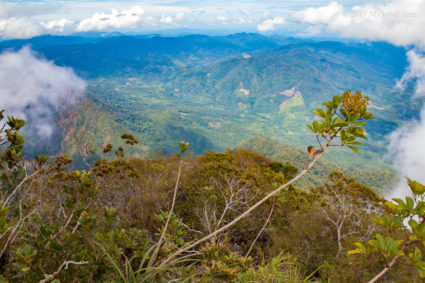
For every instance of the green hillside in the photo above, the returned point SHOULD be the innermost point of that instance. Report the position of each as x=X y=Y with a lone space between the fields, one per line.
x=377 y=178
x=269 y=92
x=217 y=91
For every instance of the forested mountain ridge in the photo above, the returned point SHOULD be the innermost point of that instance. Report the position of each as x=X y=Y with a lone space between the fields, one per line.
x=216 y=91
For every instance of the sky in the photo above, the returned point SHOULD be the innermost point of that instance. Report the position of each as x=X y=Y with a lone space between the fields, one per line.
x=24 y=19
x=401 y=22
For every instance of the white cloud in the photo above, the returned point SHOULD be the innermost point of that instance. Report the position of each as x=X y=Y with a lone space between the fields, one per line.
x=32 y=88
x=269 y=24
x=321 y=15
x=166 y=19
x=58 y=26
x=180 y=16
x=407 y=143
x=407 y=151
x=127 y=18
x=223 y=19
x=19 y=28
x=400 y=22
x=415 y=71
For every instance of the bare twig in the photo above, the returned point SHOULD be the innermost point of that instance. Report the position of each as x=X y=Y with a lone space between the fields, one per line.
x=18 y=187
x=158 y=246
x=392 y=262
x=318 y=140
x=15 y=232
x=76 y=225
x=261 y=231
x=50 y=277
x=339 y=223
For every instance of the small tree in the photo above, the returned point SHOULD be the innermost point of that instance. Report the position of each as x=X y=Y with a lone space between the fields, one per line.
x=400 y=241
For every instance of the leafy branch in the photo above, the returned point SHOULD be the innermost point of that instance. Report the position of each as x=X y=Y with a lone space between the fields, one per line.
x=391 y=248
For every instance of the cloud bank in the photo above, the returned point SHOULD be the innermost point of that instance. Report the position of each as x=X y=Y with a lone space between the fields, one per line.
x=270 y=24
x=407 y=151
x=33 y=89
x=407 y=143
x=415 y=72
x=400 y=22
x=127 y=18
x=19 y=28
x=21 y=20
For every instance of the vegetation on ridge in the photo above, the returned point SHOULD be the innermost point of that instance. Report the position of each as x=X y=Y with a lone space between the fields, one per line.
x=114 y=222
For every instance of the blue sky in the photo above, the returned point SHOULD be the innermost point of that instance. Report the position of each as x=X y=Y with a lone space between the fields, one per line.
x=398 y=21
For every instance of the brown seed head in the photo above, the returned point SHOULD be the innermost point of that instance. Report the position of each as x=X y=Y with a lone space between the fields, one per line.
x=310 y=150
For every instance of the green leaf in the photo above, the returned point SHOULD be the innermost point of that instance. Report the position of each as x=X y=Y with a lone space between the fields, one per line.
x=413 y=224
x=361 y=249
x=328 y=104
x=183 y=146
x=319 y=112
x=417 y=188
x=360 y=123
x=340 y=124
x=355 y=143
x=336 y=101
x=387 y=245
x=363 y=110
x=353 y=148
x=421 y=270
x=410 y=203
x=416 y=256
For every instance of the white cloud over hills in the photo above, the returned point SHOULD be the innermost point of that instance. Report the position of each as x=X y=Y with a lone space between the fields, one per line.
x=270 y=24
x=401 y=22
x=115 y=20
x=33 y=88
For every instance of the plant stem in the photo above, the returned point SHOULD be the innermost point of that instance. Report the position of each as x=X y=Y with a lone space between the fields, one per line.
x=385 y=270
x=158 y=246
x=18 y=187
x=50 y=277
x=392 y=262
x=261 y=231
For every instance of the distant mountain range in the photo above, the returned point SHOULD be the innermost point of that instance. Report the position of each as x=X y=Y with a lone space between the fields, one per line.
x=216 y=91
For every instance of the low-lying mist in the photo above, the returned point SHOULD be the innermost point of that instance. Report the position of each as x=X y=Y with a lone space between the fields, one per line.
x=407 y=143
x=34 y=89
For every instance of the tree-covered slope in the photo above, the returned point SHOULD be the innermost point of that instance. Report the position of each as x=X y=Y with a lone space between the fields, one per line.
x=216 y=91
x=376 y=178
x=268 y=92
